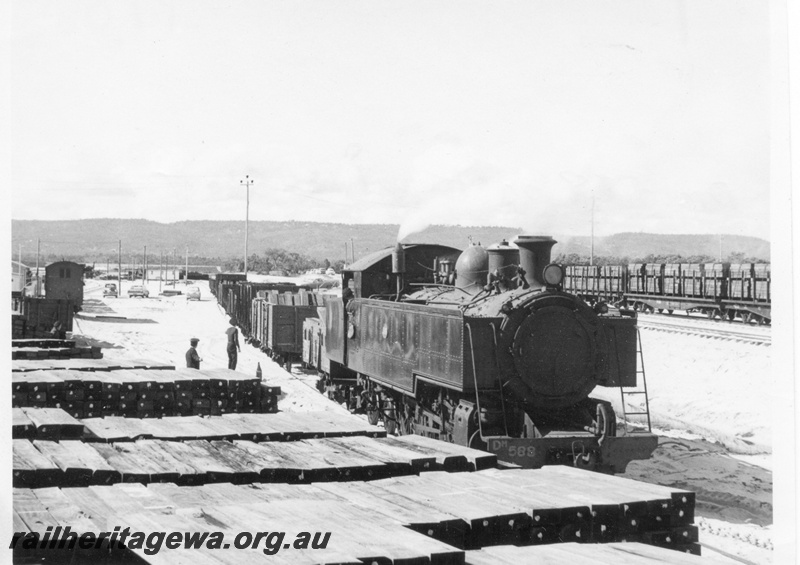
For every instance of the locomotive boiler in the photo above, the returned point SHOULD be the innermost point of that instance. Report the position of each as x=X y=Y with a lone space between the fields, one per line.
x=483 y=348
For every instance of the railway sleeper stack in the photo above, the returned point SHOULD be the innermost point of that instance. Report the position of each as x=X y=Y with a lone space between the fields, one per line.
x=47 y=463
x=143 y=393
x=52 y=349
x=579 y=554
x=104 y=364
x=435 y=517
x=44 y=423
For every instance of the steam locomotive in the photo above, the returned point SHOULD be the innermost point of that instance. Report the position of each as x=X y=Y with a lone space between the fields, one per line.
x=481 y=348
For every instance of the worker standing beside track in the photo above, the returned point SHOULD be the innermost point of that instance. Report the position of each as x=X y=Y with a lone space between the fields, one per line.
x=233 y=344
x=192 y=358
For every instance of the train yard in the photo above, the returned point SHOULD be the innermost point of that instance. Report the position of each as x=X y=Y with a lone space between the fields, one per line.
x=701 y=327
x=159 y=329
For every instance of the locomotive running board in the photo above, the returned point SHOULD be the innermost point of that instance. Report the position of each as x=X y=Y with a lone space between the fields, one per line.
x=611 y=455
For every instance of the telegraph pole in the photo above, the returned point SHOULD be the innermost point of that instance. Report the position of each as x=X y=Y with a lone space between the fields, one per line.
x=37 y=287
x=246 y=183
x=591 y=257
x=186 y=272
x=119 y=267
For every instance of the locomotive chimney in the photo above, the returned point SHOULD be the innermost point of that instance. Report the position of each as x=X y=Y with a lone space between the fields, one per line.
x=534 y=255
x=398 y=260
x=399 y=266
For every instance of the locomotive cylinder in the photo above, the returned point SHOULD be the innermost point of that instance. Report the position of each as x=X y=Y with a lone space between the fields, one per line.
x=534 y=256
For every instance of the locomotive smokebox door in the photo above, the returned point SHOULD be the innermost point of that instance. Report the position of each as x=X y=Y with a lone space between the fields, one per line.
x=554 y=354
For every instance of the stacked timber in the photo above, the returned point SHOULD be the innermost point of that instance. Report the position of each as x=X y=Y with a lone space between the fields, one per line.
x=195 y=462
x=17 y=326
x=431 y=518
x=565 y=504
x=283 y=426
x=572 y=553
x=44 y=349
x=143 y=393
x=87 y=364
x=44 y=423
x=339 y=527
x=476 y=460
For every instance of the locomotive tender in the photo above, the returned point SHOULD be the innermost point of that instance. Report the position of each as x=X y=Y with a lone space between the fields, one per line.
x=484 y=349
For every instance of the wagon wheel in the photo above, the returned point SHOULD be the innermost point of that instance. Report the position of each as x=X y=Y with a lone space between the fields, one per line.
x=390 y=425
x=660 y=310
x=746 y=317
x=670 y=312
x=710 y=314
x=731 y=315
x=759 y=320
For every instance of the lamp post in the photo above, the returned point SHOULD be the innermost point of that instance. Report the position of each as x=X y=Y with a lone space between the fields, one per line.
x=247 y=182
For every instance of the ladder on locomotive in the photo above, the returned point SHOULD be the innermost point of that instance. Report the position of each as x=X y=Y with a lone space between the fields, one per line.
x=641 y=381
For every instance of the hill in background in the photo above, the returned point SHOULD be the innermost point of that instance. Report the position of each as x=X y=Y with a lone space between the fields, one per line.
x=97 y=240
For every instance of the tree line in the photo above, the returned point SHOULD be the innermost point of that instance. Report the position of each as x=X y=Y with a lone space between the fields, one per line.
x=577 y=259
x=275 y=260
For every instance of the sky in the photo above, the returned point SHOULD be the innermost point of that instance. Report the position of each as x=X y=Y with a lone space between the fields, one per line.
x=648 y=115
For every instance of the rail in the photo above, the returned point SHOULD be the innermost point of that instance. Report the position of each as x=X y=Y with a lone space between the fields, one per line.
x=760 y=335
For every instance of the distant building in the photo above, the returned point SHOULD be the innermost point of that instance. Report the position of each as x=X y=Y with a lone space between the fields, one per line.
x=64 y=280
x=177 y=273
x=20 y=276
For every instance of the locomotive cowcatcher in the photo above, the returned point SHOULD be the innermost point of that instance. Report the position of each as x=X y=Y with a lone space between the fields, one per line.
x=484 y=349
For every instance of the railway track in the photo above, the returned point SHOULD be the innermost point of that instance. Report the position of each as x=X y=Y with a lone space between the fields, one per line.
x=759 y=335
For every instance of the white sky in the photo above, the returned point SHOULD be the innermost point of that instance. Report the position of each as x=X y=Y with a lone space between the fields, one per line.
x=455 y=112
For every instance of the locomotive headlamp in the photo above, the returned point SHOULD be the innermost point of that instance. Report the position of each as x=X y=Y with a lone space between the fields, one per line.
x=553 y=274
x=601 y=308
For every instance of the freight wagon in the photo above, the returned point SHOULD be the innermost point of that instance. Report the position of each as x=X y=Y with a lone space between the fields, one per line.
x=718 y=290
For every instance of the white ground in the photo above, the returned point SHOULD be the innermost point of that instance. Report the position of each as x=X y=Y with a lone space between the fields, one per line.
x=160 y=327
x=719 y=390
